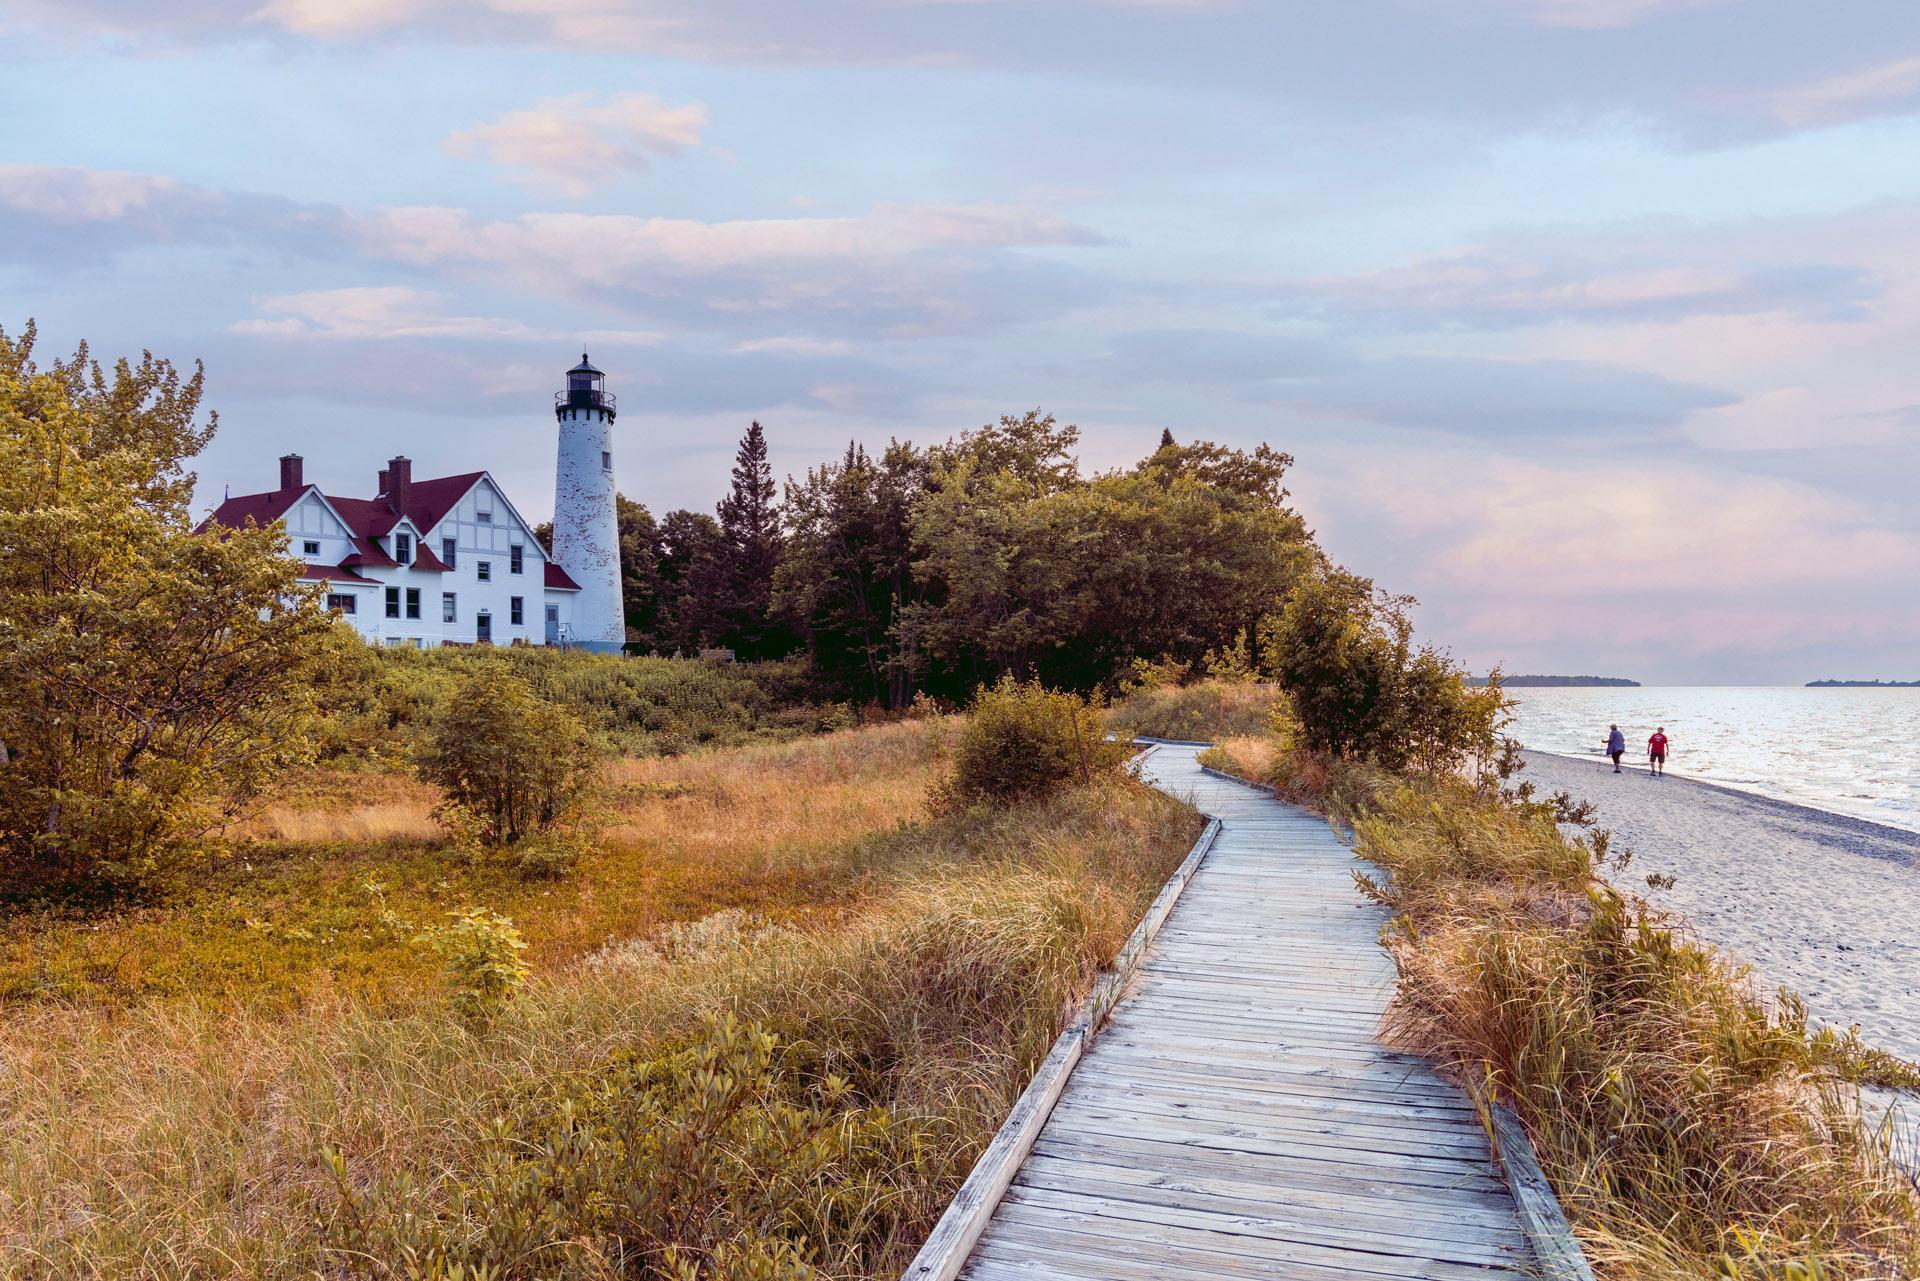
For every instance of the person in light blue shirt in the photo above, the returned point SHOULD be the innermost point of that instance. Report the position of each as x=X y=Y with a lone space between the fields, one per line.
x=1616 y=747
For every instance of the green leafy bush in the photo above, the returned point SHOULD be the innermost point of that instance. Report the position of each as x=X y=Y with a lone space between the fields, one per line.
x=1023 y=740
x=511 y=763
x=1358 y=689
x=484 y=966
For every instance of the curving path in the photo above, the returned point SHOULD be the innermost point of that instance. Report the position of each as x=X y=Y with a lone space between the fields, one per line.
x=1237 y=1116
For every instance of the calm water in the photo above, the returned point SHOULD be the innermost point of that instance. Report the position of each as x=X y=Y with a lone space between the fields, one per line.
x=1855 y=751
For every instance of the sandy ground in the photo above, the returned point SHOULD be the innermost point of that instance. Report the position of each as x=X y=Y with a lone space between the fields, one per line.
x=1815 y=901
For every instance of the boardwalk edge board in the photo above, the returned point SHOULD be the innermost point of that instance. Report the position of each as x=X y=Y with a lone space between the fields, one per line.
x=1555 y=1248
x=1244 y=782
x=953 y=1238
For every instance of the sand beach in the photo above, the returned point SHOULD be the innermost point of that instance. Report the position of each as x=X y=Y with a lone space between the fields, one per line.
x=1819 y=902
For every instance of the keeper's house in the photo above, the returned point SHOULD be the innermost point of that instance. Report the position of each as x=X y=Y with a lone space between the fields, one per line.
x=421 y=563
x=449 y=561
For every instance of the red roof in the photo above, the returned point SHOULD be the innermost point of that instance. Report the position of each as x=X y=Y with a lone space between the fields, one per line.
x=366 y=553
x=330 y=573
x=428 y=501
x=261 y=509
x=367 y=517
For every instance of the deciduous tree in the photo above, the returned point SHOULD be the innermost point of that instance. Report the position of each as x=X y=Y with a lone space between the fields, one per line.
x=148 y=672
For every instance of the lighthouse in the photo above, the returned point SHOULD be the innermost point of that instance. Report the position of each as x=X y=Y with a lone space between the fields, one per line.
x=586 y=531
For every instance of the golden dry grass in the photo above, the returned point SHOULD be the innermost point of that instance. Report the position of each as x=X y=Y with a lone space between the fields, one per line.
x=1244 y=756
x=176 y=1131
x=774 y=828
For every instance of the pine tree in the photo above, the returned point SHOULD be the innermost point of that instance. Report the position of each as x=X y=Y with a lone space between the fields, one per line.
x=750 y=524
x=1166 y=438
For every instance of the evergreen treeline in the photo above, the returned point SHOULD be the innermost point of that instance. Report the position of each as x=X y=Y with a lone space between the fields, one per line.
x=937 y=569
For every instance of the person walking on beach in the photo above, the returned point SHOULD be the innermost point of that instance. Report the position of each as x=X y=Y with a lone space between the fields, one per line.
x=1657 y=753
x=1616 y=747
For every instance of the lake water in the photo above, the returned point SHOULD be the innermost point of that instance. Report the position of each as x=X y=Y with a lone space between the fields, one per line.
x=1854 y=751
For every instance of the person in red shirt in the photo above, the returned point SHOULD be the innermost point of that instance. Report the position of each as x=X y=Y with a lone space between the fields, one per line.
x=1657 y=752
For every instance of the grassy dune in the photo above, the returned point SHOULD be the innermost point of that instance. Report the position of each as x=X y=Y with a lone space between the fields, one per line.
x=194 y=1095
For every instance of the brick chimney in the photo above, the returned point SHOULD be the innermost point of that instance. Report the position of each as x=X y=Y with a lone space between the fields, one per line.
x=290 y=472
x=385 y=479
x=399 y=481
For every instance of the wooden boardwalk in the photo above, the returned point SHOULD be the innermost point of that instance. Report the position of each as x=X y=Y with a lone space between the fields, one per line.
x=1236 y=1116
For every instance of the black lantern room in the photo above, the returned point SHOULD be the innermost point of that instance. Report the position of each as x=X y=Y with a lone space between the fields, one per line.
x=586 y=389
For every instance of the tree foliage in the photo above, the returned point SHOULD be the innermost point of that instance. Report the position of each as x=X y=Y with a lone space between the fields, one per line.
x=848 y=575
x=147 y=671
x=938 y=569
x=1359 y=689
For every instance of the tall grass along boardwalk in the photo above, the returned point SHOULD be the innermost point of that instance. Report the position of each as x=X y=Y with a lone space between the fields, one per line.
x=1238 y=1116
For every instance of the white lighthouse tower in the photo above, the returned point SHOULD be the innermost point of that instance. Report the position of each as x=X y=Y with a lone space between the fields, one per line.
x=586 y=533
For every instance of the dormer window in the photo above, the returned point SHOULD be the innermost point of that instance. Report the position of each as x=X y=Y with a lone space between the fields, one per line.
x=403 y=549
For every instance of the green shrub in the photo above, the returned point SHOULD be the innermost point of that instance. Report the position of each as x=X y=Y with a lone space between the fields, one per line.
x=511 y=763
x=1358 y=689
x=484 y=966
x=1025 y=740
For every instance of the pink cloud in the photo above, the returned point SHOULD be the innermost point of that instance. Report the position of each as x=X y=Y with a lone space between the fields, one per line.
x=573 y=145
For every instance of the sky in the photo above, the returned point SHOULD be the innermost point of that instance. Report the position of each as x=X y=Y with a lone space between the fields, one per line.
x=1593 y=324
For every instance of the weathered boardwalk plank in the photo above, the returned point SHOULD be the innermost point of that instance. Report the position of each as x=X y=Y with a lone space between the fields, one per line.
x=1236 y=1116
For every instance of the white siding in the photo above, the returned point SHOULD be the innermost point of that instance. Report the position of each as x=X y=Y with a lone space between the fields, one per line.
x=475 y=541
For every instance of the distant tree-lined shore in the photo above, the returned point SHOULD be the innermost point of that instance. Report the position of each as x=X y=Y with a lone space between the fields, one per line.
x=1560 y=682
x=1833 y=684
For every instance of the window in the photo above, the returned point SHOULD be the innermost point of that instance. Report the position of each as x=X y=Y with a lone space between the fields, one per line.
x=483 y=569
x=484 y=515
x=395 y=642
x=393 y=602
x=403 y=548
x=413 y=602
x=606 y=460
x=515 y=558
x=311 y=546
x=341 y=602
x=447 y=548
x=449 y=608
x=516 y=610
x=483 y=627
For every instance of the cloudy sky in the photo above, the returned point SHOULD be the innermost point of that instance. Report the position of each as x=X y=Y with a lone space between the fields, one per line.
x=1595 y=324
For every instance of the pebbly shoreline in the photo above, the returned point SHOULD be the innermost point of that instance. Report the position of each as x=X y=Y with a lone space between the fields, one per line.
x=1819 y=902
